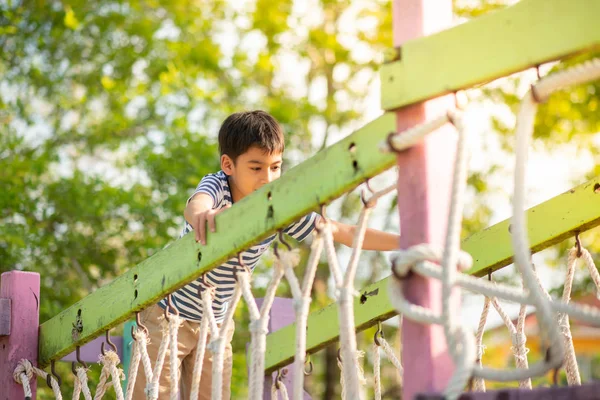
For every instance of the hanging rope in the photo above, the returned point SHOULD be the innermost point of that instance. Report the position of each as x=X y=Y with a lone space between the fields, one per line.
x=479 y=384
x=380 y=342
x=571 y=367
x=81 y=384
x=279 y=388
x=302 y=300
x=360 y=376
x=376 y=371
x=219 y=337
x=109 y=362
x=138 y=335
x=259 y=319
x=346 y=292
x=207 y=296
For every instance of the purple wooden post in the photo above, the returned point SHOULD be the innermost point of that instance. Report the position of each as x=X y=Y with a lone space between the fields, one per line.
x=424 y=181
x=23 y=290
x=282 y=314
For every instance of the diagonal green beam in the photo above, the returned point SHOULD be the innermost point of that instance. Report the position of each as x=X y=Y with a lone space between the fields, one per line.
x=319 y=180
x=548 y=223
x=522 y=36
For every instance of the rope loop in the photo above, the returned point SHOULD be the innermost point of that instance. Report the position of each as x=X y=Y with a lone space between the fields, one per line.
x=23 y=369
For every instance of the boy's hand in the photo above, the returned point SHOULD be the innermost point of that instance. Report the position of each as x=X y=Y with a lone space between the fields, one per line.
x=198 y=211
x=199 y=220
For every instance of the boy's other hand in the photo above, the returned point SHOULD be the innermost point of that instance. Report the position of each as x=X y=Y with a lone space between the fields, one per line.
x=199 y=221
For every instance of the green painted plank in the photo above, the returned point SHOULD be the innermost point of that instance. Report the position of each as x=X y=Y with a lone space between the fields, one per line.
x=319 y=180
x=489 y=47
x=548 y=223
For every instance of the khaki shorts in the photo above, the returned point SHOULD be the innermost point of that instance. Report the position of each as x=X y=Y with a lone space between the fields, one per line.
x=186 y=349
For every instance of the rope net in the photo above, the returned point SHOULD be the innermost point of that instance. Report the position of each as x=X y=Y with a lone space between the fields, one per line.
x=465 y=347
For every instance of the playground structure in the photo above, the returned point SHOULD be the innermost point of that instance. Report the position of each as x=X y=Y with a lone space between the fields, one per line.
x=425 y=160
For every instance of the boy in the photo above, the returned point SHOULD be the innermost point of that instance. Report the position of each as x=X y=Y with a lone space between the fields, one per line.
x=251 y=146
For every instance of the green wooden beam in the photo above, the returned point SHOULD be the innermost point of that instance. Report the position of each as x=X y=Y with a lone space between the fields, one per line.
x=548 y=223
x=324 y=177
x=522 y=36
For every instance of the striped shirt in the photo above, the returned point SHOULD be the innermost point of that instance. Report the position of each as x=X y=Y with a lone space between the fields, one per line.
x=186 y=299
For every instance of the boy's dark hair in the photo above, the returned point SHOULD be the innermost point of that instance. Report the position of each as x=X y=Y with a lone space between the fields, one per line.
x=242 y=130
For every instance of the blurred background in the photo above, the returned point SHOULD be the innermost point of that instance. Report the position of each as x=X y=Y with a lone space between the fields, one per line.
x=109 y=112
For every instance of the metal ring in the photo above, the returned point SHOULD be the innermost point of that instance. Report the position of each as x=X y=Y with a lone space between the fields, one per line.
x=310 y=364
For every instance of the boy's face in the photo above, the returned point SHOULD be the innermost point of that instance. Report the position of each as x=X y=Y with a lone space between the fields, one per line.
x=251 y=170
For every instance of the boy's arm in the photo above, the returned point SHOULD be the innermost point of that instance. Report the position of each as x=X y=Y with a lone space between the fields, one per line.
x=199 y=210
x=374 y=239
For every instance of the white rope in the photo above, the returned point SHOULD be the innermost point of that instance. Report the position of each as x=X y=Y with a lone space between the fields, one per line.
x=81 y=384
x=571 y=367
x=589 y=262
x=109 y=362
x=582 y=73
x=410 y=137
x=302 y=302
x=360 y=377
x=153 y=378
x=549 y=334
x=207 y=297
x=518 y=340
x=136 y=357
x=259 y=319
x=218 y=338
x=174 y=324
x=389 y=352
x=349 y=354
x=478 y=383
x=376 y=372
x=275 y=391
x=429 y=269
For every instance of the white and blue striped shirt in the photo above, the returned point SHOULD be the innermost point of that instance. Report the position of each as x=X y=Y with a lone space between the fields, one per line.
x=186 y=299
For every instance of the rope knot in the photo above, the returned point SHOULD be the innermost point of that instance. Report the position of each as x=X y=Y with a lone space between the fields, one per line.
x=302 y=305
x=110 y=358
x=259 y=326
x=291 y=258
x=151 y=390
x=405 y=260
x=519 y=339
x=24 y=367
x=215 y=345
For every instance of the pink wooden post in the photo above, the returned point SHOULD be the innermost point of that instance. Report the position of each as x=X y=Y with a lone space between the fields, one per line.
x=23 y=290
x=424 y=180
